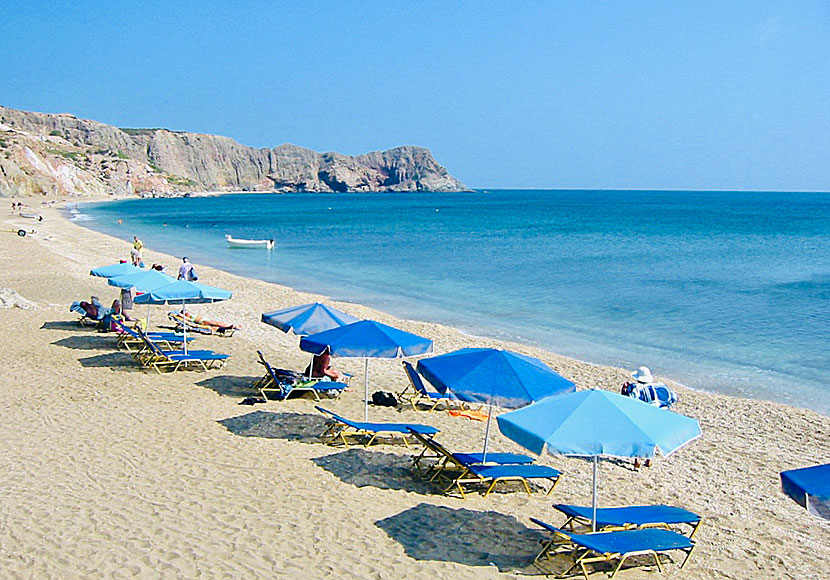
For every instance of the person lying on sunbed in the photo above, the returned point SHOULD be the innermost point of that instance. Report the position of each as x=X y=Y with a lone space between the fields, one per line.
x=215 y=324
x=320 y=367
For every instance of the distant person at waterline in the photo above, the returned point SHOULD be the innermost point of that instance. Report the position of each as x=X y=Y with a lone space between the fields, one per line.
x=648 y=390
x=186 y=270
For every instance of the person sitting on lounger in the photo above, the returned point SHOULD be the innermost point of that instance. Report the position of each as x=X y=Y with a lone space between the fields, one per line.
x=648 y=390
x=320 y=367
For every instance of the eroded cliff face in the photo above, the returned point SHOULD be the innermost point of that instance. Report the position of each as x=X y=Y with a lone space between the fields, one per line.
x=62 y=155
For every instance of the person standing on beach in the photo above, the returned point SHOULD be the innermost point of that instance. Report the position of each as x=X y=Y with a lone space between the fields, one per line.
x=186 y=271
x=137 y=244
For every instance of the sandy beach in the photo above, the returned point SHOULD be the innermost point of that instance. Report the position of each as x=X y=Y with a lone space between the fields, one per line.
x=112 y=472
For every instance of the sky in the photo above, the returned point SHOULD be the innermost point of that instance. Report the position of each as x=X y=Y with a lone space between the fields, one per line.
x=606 y=95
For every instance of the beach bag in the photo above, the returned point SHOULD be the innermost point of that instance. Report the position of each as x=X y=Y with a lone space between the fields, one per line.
x=384 y=399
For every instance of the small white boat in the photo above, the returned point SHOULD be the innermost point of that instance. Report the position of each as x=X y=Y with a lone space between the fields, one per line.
x=240 y=243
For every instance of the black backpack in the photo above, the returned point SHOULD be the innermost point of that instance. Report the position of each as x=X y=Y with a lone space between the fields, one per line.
x=384 y=399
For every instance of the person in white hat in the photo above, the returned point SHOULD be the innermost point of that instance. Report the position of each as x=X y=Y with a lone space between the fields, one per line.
x=643 y=377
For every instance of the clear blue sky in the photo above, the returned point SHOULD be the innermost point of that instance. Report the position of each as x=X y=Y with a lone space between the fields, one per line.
x=686 y=95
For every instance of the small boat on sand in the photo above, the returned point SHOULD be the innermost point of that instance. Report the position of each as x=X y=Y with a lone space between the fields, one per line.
x=240 y=243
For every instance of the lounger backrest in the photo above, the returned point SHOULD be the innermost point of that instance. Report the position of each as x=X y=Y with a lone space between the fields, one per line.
x=414 y=377
x=150 y=344
x=335 y=416
x=124 y=328
x=554 y=529
x=433 y=445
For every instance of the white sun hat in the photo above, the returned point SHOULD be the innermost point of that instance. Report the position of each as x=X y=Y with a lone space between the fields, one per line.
x=643 y=375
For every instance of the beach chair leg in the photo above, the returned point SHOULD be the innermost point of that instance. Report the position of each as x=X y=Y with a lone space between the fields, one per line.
x=617 y=568
x=688 y=555
x=695 y=528
x=493 y=485
x=555 y=481
x=657 y=561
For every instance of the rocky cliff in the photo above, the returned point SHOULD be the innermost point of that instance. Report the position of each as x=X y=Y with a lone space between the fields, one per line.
x=62 y=155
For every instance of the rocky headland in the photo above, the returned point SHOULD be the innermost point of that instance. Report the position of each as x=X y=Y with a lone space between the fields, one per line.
x=60 y=154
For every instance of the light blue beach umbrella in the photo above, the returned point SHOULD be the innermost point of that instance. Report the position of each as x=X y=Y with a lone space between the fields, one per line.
x=597 y=423
x=493 y=377
x=142 y=281
x=366 y=339
x=308 y=318
x=183 y=292
x=114 y=270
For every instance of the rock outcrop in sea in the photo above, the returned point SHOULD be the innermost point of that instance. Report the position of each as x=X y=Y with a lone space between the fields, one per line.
x=59 y=154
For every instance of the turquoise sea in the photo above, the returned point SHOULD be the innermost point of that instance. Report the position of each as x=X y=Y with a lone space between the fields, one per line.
x=723 y=291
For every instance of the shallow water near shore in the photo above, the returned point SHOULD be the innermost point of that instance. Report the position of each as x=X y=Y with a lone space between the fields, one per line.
x=723 y=291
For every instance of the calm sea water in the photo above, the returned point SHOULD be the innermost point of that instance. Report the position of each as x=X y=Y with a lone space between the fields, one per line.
x=724 y=291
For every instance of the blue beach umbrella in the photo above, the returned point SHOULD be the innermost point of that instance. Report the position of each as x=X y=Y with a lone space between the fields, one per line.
x=307 y=318
x=142 y=281
x=114 y=270
x=597 y=423
x=493 y=377
x=183 y=292
x=366 y=339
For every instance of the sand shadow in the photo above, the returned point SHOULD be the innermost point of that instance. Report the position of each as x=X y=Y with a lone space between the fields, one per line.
x=472 y=538
x=87 y=342
x=66 y=325
x=363 y=467
x=231 y=385
x=121 y=360
x=303 y=427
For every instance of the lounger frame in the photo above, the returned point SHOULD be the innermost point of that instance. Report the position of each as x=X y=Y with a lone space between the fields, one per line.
x=571 y=544
x=453 y=471
x=340 y=430
x=416 y=392
x=163 y=360
x=614 y=518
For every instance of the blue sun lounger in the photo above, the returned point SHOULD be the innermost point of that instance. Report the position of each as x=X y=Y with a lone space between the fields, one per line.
x=130 y=339
x=421 y=393
x=635 y=516
x=610 y=547
x=154 y=357
x=435 y=458
x=340 y=429
x=282 y=383
x=456 y=470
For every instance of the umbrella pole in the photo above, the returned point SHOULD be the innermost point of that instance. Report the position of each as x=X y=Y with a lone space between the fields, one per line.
x=184 y=329
x=366 y=390
x=594 y=501
x=487 y=432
